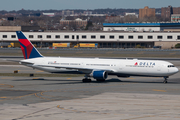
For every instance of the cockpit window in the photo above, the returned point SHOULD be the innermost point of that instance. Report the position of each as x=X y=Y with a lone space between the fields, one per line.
x=170 y=66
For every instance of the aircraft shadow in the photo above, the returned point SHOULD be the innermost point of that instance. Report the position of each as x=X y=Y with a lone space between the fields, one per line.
x=156 y=82
x=69 y=81
x=42 y=79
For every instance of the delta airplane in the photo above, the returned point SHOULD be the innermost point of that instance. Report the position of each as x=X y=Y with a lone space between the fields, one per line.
x=97 y=68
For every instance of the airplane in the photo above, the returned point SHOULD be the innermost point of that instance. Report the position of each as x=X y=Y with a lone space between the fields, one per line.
x=97 y=68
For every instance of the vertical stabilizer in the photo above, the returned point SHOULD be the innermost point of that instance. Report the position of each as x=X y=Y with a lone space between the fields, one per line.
x=28 y=49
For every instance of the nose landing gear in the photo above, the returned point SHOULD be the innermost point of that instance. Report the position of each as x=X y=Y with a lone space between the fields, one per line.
x=165 y=79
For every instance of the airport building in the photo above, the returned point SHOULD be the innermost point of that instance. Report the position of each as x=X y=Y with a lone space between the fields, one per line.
x=125 y=35
x=151 y=27
x=104 y=39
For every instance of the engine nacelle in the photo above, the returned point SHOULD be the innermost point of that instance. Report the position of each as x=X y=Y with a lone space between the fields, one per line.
x=99 y=74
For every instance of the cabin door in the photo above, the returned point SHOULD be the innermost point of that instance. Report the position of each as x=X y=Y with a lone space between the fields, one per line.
x=121 y=66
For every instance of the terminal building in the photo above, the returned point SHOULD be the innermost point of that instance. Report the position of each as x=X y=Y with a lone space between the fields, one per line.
x=104 y=39
x=157 y=36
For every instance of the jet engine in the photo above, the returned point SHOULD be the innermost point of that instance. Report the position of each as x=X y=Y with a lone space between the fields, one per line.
x=99 y=74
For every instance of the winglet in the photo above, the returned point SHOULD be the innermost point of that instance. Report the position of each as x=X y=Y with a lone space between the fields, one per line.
x=28 y=49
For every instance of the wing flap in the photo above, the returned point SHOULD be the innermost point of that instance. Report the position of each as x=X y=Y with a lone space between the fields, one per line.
x=26 y=63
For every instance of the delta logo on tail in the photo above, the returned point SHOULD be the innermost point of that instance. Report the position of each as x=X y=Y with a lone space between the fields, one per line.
x=29 y=51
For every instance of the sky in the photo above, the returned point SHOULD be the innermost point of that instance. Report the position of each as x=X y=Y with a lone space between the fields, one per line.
x=10 y=5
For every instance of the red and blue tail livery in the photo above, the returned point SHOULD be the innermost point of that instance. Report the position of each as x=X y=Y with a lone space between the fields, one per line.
x=29 y=51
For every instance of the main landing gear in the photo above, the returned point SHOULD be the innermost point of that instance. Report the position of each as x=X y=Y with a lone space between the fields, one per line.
x=165 y=79
x=86 y=79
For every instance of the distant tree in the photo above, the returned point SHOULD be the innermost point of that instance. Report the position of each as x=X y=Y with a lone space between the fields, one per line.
x=97 y=19
x=150 y=19
x=89 y=24
x=131 y=18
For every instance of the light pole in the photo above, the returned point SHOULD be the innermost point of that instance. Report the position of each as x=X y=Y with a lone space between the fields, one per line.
x=77 y=44
x=118 y=43
x=41 y=43
x=1 y=43
x=77 y=38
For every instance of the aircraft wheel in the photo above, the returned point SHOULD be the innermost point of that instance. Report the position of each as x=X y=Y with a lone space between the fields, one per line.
x=86 y=80
x=165 y=82
x=100 y=80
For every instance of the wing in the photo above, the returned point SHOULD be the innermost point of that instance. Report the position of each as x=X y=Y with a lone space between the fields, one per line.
x=12 y=60
x=79 y=69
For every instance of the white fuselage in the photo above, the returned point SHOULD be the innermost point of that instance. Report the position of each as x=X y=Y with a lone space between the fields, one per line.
x=119 y=67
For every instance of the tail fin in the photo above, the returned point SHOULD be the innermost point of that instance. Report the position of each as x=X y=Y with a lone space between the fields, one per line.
x=28 y=49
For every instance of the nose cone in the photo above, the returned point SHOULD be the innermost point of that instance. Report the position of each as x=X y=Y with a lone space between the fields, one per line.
x=175 y=70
